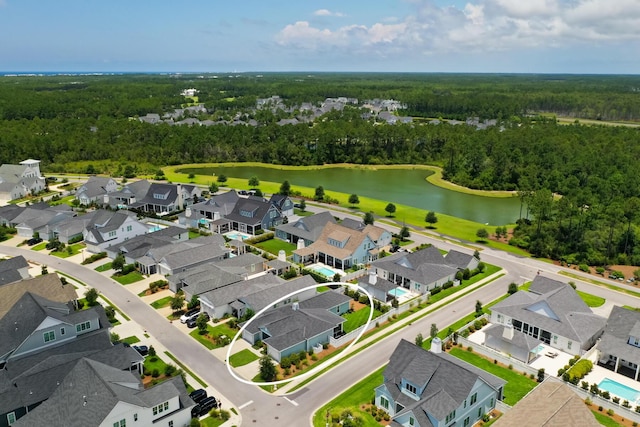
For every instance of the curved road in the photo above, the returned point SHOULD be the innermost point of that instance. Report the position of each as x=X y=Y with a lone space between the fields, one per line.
x=261 y=408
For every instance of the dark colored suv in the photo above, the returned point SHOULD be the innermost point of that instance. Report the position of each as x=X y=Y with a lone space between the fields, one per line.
x=198 y=395
x=204 y=406
x=191 y=323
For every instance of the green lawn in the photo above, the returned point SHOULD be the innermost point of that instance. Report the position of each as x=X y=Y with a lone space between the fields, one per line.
x=591 y=300
x=488 y=271
x=131 y=340
x=162 y=302
x=243 y=357
x=518 y=385
x=298 y=212
x=158 y=364
x=103 y=267
x=193 y=235
x=603 y=284
x=605 y=420
x=357 y=319
x=128 y=279
x=214 y=331
x=211 y=422
x=352 y=399
x=274 y=245
x=40 y=246
x=68 y=200
x=75 y=250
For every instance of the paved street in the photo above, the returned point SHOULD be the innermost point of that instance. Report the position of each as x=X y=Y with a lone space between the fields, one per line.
x=256 y=406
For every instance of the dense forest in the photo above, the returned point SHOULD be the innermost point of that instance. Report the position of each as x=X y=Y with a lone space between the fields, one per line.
x=591 y=169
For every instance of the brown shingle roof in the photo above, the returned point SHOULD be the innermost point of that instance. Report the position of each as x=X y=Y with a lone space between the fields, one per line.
x=337 y=232
x=47 y=286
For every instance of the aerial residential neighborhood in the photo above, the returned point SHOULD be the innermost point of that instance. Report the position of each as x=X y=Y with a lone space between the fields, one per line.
x=198 y=261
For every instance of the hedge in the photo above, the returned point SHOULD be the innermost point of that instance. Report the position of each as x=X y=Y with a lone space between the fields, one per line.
x=260 y=238
x=579 y=370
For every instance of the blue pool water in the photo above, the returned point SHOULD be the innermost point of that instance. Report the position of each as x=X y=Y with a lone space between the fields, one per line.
x=236 y=236
x=324 y=271
x=538 y=349
x=398 y=292
x=618 y=389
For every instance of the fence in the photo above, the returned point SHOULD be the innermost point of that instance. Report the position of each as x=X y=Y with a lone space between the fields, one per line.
x=496 y=355
x=628 y=413
x=354 y=275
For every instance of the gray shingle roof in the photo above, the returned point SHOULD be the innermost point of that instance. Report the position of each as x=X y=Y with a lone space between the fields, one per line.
x=258 y=207
x=424 y=266
x=621 y=324
x=261 y=298
x=519 y=339
x=223 y=295
x=557 y=309
x=309 y=227
x=458 y=259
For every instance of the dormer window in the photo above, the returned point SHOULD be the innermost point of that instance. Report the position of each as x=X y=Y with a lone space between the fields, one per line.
x=411 y=389
x=247 y=214
x=634 y=341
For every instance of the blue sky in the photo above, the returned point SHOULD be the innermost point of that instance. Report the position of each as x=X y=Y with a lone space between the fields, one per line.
x=540 y=36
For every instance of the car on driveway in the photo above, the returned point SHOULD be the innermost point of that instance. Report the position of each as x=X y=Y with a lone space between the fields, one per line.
x=33 y=241
x=191 y=323
x=198 y=395
x=189 y=314
x=142 y=349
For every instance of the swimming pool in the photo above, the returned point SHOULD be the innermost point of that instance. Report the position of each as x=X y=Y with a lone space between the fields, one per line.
x=398 y=292
x=327 y=272
x=620 y=390
x=538 y=349
x=235 y=235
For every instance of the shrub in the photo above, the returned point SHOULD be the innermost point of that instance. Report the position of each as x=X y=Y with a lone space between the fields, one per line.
x=579 y=369
x=615 y=399
x=510 y=366
x=637 y=409
x=155 y=373
x=94 y=257
x=469 y=349
x=588 y=401
x=600 y=270
x=259 y=238
x=605 y=395
x=435 y=290
x=447 y=285
x=626 y=404
x=600 y=408
x=169 y=370
x=584 y=267
x=584 y=385
x=610 y=412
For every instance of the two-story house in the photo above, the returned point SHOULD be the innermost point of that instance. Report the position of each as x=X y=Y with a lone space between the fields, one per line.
x=306 y=228
x=283 y=203
x=253 y=214
x=434 y=389
x=619 y=346
x=107 y=228
x=340 y=247
x=13 y=270
x=129 y=194
x=210 y=214
x=95 y=190
x=17 y=181
x=164 y=198
x=550 y=312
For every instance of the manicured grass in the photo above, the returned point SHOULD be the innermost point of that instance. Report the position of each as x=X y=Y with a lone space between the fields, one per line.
x=68 y=200
x=518 y=385
x=488 y=271
x=299 y=212
x=211 y=422
x=358 y=318
x=184 y=368
x=128 y=279
x=193 y=235
x=243 y=357
x=591 y=300
x=131 y=340
x=603 y=284
x=628 y=307
x=352 y=399
x=75 y=250
x=213 y=331
x=124 y=316
x=275 y=245
x=103 y=267
x=162 y=302
x=158 y=364
x=40 y=246
x=605 y=420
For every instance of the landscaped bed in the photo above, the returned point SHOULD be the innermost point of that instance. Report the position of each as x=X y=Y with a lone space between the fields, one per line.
x=216 y=336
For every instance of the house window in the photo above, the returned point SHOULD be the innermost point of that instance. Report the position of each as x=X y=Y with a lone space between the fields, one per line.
x=166 y=406
x=49 y=336
x=569 y=344
x=121 y=423
x=11 y=418
x=61 y=331
x=384 y=402
x=499 y=318
x=492 y=402
x=83 y=326
x=412 y=421
x=466 y=422
x=112 y=233
x=135 y=417
x=416 y=286
x=479 y=412
x=411 y=388
x=474 y=398
x=451 y=416
x=129 y=227
x=171 y=423
x=555 y=339
x=160 y=408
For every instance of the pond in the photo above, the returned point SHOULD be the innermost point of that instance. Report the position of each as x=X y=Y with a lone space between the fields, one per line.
x=401 y=186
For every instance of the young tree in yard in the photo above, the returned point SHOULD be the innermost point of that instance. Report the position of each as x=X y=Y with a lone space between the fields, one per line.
x=193 y=303
x=267 y=369
x=254 y=182
x=115 y=338
x=404 y=233
x=431 y=219
x=222 y=178
x=482 y=234
x=476 y=254
x=201 y=323
x=303 y=205
x=213 y=188
x=319 y=196
x=354 y=199
x=390 y=209
x=368 y=218
x=513 y=288
x=91 y=296
x=478 y=308
x=118 y=262
x=636 y=274
x=285 y=188
x=419 y=340
x=177 y=301
x=434 y=330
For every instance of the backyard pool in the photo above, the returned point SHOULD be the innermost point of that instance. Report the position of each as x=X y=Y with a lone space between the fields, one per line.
x=620 y=390
x=398 y=292
x=327 y=272
x=538 y=349
x=236 y=235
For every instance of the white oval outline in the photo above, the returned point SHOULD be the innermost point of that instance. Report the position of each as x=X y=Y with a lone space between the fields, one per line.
x=315 y=369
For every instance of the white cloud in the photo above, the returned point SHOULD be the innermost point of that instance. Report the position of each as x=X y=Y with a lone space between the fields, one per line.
x=480 y=26
x=327 y=12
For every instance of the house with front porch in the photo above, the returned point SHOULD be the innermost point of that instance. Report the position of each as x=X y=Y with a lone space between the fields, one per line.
x=210 y=214
x=39 y=217
x=432 y=388
x=163 y=199
x=550 y=312
x=301 y=326
x=419 y=272
x=107 y=228
x=95 y=190
x=340 y=247
x=17 y=181
x=253 y=214
x=283 y=203
x=307 y=228
x=619 y=346
x=189 y=254
x=129 y=194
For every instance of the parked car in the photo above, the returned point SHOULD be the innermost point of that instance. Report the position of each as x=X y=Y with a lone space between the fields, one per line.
x=204 y=406
x=142 y=349
x=198 y=395
x=189 y=314
x=34 y=240
x=191 y=323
